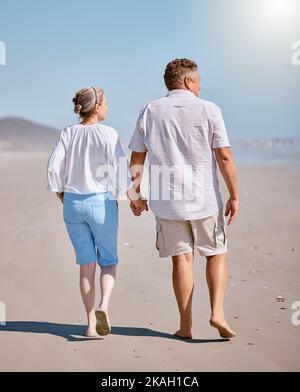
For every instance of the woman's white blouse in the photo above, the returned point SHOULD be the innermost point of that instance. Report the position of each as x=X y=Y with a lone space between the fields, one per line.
x=88 y=159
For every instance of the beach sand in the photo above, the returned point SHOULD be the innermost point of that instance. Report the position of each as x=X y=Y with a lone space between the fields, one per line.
x=46 y=318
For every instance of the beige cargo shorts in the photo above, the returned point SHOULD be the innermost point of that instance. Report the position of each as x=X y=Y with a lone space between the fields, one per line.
x=207 y=235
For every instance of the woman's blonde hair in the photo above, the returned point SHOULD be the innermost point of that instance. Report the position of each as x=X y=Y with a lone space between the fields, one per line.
x=86 y=99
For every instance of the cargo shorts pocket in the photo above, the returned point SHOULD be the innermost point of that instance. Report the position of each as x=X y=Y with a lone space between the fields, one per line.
x=156 y=241
x=159 y=240
x=159 y=237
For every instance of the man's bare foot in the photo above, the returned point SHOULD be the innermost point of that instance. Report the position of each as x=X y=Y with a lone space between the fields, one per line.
x=182 y=335
x=224 y=330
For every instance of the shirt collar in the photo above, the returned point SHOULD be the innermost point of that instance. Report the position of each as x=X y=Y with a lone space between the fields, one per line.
x=180 y=91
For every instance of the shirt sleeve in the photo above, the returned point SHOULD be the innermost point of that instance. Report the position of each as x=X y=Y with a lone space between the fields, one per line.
x=122 y=179
x=137 y=142
x=219 y=137
x=56 y=166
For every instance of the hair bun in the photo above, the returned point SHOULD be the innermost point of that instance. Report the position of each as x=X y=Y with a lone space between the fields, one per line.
x=77 y=108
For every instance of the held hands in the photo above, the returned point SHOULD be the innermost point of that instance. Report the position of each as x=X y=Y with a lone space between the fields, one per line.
x=138 y=206
x=232 y=207
x=137 y=203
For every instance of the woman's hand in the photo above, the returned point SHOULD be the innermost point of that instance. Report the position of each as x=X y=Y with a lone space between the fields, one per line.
x=137 y=203
x=60 y=195
x=138 y=206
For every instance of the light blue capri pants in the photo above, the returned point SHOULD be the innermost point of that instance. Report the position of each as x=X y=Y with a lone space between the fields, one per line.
x=92 y=224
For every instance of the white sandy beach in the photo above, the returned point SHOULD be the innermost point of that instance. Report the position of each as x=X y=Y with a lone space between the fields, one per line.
x=46 y=318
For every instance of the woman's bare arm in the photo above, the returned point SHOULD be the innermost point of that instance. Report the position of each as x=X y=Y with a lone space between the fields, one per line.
x=60 y=195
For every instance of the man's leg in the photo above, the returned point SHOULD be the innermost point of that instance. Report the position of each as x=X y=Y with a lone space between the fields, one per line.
x=216 y=276
x=183 y=284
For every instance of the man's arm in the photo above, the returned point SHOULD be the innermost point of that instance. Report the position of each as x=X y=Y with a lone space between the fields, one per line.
x=228 y=170
x=136 y=166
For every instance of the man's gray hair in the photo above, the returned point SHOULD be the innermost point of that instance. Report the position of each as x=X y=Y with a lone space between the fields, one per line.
x=177 y=70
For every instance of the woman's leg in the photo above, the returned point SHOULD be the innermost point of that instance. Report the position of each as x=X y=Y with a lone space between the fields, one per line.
x=87 y=289
x=107 y=281
x=105 y=229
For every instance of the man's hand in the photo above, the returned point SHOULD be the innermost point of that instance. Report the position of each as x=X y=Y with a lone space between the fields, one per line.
x=138 y=206
x=224 y=157
x=137 y=161
x=60 y=195
x=232 y=207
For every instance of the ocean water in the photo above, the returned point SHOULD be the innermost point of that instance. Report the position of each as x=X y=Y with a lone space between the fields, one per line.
x=262 y=152
x=267 y=152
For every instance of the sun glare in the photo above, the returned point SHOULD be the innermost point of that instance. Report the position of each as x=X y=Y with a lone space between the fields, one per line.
x=279 y=13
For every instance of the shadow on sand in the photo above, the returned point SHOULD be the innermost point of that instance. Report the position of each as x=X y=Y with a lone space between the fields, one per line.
x=75 y=333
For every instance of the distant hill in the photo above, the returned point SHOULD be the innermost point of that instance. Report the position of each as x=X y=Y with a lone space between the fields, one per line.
x=19 y=134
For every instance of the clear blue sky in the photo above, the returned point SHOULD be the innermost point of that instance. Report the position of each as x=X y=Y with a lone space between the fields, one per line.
x=242 y=47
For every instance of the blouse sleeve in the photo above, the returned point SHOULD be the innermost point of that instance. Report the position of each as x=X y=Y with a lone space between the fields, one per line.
x=56 y=166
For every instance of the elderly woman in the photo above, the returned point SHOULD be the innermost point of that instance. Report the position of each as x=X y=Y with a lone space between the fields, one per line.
x=83 y=153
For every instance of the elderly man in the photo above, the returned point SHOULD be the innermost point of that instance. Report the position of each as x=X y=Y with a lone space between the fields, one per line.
x=185 y=138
